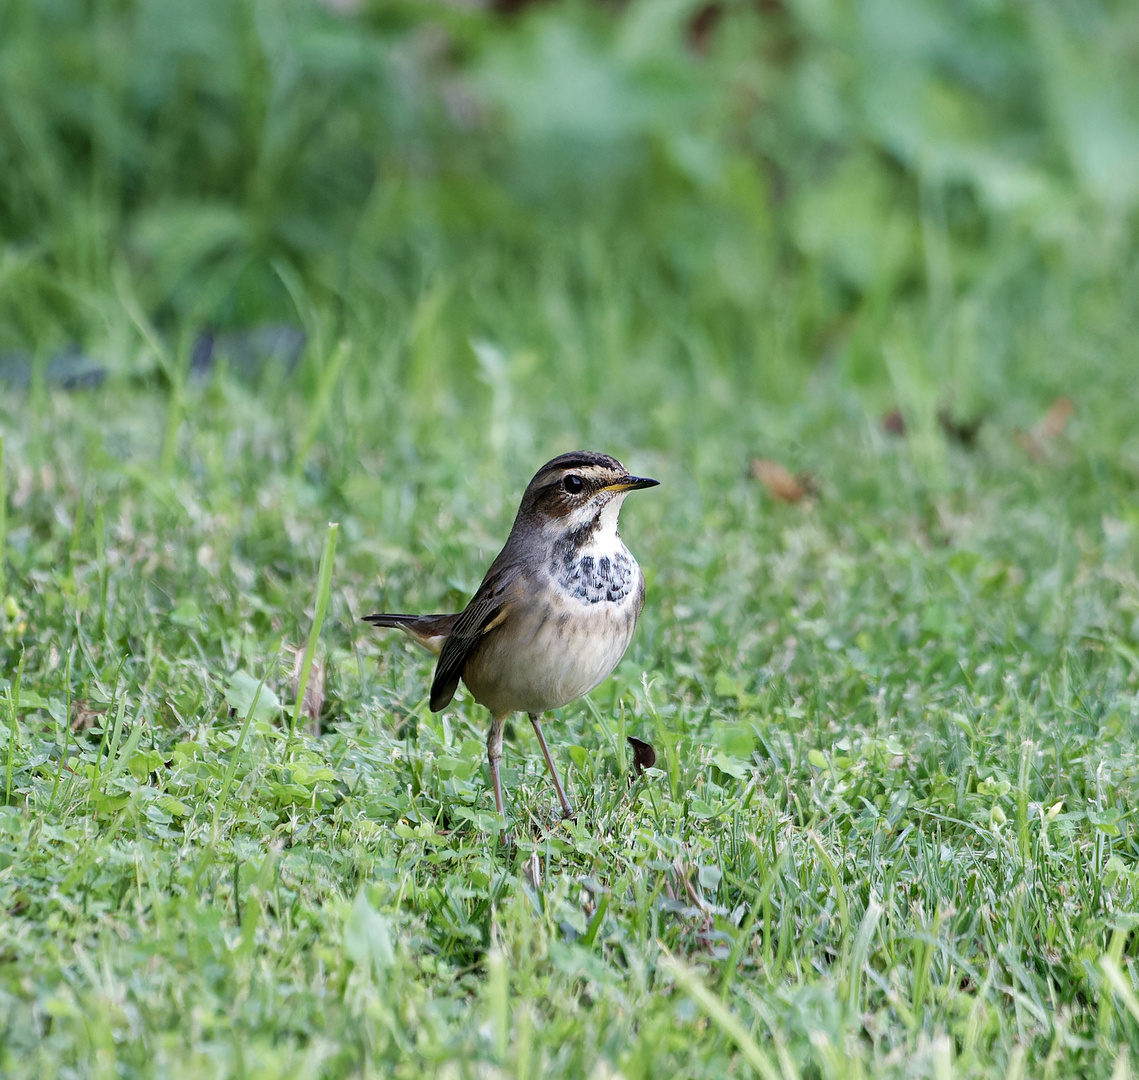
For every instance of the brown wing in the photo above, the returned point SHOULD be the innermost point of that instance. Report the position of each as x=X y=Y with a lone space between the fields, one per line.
x=487 y=609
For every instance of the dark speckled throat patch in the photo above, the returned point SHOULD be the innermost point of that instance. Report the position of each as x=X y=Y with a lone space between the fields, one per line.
x=591 y=580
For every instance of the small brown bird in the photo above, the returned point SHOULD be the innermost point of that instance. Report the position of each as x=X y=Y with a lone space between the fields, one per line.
x=555 y=612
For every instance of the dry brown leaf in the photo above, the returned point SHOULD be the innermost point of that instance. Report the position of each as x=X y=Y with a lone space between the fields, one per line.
x=1030 y=444
x=893 y=423
x=782 y=484
x=702 y=27
x=1051 y=426
x=644 y=756
x=959 y=431
x=1055 y=419
x=83 y=716
x=314 y=688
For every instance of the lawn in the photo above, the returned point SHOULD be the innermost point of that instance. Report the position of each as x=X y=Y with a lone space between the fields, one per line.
x=264 y=268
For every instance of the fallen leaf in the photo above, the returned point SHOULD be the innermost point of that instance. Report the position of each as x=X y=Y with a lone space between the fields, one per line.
x=1051 y=425
x=84 y=716
x=314 y=688
x=893 y=423
x=1029 y=443
x=1055 y=419
x=644 y=756
x=243 y=693
x=702 y=27
x=532 y=871
x=959 y=431
x=782 y=484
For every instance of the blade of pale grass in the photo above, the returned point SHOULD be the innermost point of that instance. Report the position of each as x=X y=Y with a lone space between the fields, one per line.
x=323 y=592
x=13 y=710
x=862 y=939
x=1121 y=985
x=231 y=768
x=121 y=761
x=721 y=1016
x=66 y=733
x=116 y=734
x=836 y=880
x=173 y=369
x=743 y=939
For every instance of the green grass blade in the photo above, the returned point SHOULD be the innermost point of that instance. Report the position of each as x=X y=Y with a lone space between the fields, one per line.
x=1121 y=985
x=320 y=606
x=231 y=768
x=720 y=1015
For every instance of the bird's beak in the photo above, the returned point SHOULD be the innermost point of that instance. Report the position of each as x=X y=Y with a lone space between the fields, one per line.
x=631 y=483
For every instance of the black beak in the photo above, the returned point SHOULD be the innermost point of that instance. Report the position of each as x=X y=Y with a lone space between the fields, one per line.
x=632 y=483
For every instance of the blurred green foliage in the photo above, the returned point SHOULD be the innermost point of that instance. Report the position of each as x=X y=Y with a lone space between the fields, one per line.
x=776 y=186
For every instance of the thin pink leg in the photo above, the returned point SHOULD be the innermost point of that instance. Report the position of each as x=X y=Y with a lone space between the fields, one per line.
x=494 y=756
x=567 y=810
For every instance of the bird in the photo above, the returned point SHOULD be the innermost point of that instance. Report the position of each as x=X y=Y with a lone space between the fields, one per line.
x=554 y=613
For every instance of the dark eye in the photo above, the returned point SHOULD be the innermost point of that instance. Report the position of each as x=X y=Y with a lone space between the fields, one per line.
x=573 y=484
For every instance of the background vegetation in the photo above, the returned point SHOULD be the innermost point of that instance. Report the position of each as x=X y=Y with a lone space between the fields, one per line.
x=267 y=265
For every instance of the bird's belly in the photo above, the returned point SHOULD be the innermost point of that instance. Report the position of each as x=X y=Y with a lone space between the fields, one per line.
x=551 y=657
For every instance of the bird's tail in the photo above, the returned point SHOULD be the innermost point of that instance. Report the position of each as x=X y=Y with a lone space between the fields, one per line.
x=430 y=631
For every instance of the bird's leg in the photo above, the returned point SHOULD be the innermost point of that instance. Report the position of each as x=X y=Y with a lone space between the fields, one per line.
x=567 y=810
x=494 y=756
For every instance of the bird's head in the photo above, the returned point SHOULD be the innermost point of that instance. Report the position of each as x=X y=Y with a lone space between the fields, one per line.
x=580 y=491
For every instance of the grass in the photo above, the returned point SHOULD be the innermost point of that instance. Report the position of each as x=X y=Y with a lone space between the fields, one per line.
x=891 y=829
x=892 y=822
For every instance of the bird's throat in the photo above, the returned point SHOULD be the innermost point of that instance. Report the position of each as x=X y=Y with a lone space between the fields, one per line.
x=591 y=563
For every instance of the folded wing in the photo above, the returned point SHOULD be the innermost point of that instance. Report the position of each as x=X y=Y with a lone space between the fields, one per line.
x=489 y=608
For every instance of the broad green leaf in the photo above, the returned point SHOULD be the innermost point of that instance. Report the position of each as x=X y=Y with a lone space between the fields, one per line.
x=240 y=692
x=368 y=936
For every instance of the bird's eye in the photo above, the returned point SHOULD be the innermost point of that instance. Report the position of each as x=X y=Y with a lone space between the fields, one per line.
x=573 y=484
